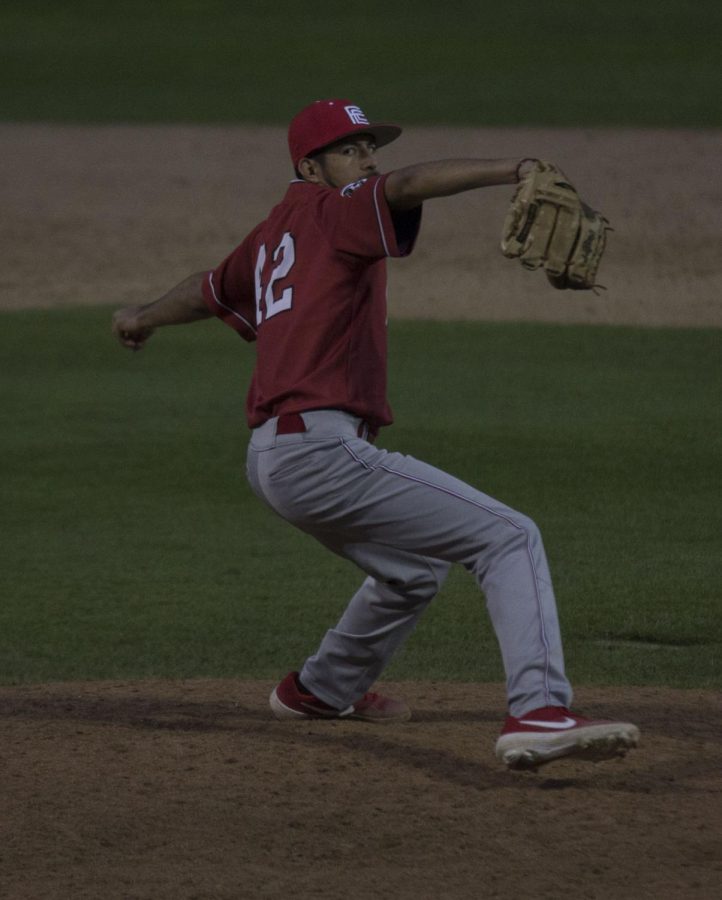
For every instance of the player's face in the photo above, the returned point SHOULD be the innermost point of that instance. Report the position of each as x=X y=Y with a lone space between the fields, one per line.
x=348 y=160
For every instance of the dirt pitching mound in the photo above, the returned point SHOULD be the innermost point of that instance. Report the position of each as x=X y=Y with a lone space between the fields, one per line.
x=192 y=790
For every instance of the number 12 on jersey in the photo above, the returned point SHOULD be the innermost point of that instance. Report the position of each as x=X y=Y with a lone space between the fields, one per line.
x=284 y=257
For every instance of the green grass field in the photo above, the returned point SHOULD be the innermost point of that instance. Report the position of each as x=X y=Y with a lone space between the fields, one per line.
x=133 y=546
x=651 y=62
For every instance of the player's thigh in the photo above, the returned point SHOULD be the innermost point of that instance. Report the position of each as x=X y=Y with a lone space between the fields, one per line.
x=364 y=494
x=414 y=505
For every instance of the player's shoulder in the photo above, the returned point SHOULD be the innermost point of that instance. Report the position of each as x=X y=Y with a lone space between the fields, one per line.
x=312 y=208
x=301 y=191
x=349 y=199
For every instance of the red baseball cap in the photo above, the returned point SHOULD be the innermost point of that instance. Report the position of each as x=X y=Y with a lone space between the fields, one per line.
x=326 y=121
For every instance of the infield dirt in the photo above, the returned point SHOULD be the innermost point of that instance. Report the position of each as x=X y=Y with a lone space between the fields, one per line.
x=190 y=789
x=119 y=214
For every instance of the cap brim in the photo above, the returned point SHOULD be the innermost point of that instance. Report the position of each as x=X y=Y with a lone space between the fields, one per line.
x=382 y=135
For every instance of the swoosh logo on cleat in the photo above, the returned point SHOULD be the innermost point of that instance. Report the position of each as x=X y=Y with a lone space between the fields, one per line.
x=557 y=726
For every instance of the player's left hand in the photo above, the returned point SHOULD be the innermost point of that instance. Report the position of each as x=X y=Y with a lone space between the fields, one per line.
x=128 y=329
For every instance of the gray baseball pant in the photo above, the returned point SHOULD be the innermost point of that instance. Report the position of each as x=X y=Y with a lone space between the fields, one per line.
x=404 y=523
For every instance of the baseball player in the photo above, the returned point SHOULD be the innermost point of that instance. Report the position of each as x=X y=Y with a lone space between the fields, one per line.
x=308 y=286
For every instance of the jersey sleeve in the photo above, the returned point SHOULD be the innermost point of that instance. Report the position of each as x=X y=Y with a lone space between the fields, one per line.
x=357 y=220
x=229 y=292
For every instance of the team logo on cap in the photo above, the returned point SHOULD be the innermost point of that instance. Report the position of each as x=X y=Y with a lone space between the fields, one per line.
x=356 y=115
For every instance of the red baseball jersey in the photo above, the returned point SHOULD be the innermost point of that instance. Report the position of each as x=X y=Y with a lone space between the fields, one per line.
x=309 y=286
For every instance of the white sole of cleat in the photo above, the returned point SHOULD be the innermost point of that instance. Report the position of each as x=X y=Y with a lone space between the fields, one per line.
x=595 y=743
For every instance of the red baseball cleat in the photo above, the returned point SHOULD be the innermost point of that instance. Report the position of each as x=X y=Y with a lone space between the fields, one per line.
x=289 y=702
x=553 y=732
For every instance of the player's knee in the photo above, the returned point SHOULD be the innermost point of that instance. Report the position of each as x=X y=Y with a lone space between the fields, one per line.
x=511 y=533
x=528 y=528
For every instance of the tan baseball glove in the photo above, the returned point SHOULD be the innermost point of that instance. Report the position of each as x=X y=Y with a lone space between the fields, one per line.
x=548 y=225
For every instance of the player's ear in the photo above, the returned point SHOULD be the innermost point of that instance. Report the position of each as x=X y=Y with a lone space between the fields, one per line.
x=310 y=170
